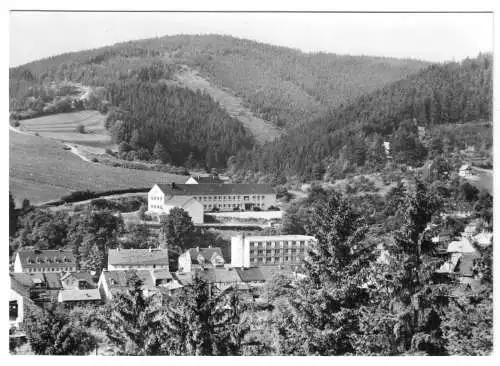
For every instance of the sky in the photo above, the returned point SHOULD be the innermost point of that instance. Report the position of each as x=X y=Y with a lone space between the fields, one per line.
x=432 y=37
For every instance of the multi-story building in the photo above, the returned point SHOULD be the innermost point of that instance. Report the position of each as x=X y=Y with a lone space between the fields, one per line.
x=142 y=259
x=214 y=197
x=250 y=251
x=196 y=258
x=35 y=261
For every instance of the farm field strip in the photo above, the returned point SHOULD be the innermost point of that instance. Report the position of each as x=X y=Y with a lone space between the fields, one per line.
x=41 y=170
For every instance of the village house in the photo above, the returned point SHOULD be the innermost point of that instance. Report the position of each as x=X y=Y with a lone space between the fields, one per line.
x=462 y=259
x=78 y=280
x=465 y=171
x=249 y=251
x=33 y=261
x=188 y=204
x=196 y=258
x=214 y=197
x=140 y=259
x=74 y=297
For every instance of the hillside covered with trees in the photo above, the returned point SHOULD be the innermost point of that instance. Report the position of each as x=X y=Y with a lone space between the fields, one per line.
x=279 y=84
x=353 y=135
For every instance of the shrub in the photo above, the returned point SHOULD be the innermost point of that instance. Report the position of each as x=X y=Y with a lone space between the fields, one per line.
x=273 y=208
x=94 y=160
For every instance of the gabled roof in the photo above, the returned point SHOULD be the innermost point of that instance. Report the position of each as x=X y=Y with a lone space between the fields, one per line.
x=138 y=256
x=206 y=253
x=214 y=189
x=79 y=295
x=21 y=283
x=47 y=258
x=219 y=275
x=179 y=201
x=184 y=278
x=119 y=279
x=252 y=274
x=461 y=246
x=161 y=274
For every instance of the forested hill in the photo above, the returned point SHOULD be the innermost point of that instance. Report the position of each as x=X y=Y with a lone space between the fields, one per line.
x=281 y=85
x=353 y=135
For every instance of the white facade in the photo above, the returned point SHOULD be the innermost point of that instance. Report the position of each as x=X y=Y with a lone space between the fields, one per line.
x=231 y=202
x=18 y=267
x=191 y=180
x=160 y=204
x=16 y=306
x=247 y=251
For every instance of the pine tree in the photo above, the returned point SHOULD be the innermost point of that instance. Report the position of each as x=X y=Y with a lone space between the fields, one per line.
x=133 y=322
x=203 y=321
x=324 y=306
x=178 y=228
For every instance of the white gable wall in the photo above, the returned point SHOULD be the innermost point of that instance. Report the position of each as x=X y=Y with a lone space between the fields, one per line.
x=156 y=200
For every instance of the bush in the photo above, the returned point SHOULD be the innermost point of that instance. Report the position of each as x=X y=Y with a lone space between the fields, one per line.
x=109 y=152
x=15 y=123
x=80 y=128
x=273 y=208
x=256 y=208
x=94 y=160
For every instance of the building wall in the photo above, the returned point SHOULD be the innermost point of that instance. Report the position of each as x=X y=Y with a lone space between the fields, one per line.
x=193 y=208
x=255 y=251
x=185 y=262
x=103 y=288
x=121 y=267
x=240 y=201
x=14 y=296
x=191 y=180
x=156 y=200
x=17 y=264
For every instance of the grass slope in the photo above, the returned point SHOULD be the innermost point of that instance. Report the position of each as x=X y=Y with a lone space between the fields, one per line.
x=41 y=170
x=262 y=130
x=62 y=126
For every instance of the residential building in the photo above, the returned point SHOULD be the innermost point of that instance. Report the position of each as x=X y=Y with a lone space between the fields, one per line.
x=196 y=258
x=33 y=261
x=73 y=297
x=164 y=205
x=78 y=281
x=465 y=171
x=484 y=238
x=215 y=197
x=212 y=179
x=140 y=259
x=249 y=251
x=153 y=281
x=220 y=278
x=462 y=258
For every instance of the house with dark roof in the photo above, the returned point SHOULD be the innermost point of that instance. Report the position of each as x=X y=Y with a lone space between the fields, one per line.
x=216 y=197
x=220 y=278
x=197 y=258
x=78 y=281
x=33 y=261
x=153 y=281
x=140 y=259
x=73 y=297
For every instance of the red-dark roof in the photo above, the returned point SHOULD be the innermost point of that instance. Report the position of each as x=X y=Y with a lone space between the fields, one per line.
x=47 y=258
x=214 y=189
x=119 y=279
x=252 y=274
x=138 y=256
x=219 y=275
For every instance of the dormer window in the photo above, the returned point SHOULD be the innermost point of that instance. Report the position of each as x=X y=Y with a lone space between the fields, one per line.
x=48 y=260
x=30 y=261
x=39 y=260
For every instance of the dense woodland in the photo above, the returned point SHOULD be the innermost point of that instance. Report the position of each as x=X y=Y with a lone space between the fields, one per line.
x=279 y=84
x=353 y=135
x=174 y=125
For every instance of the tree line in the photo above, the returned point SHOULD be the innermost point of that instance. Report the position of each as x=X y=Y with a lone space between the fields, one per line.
x=353 y=135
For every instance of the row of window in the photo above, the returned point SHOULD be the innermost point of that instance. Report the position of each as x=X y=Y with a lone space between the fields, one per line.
x=229 y=205
x=275 y=260
x=228 y=198
x=48 y=260
x=63 y=269
x=278 y=243
x=277 y=251
x=156 y=206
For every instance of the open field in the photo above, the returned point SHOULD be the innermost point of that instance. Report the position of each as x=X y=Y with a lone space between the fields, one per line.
x=262 y=130
x=62 y=127
x=41 y=170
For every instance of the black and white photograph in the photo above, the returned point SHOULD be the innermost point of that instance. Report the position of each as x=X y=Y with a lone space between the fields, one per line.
x=250 y=183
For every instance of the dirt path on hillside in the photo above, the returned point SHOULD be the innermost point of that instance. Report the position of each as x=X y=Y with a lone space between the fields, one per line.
x=75 y=151
x=262 y=130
